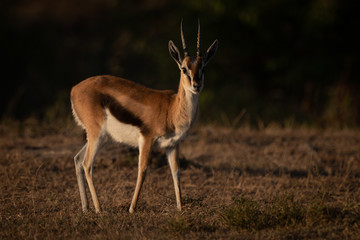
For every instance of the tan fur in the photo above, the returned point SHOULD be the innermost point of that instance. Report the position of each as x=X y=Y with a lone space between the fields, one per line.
x=152 y=106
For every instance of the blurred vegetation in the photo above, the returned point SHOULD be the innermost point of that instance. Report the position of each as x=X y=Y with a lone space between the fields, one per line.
x=283 y=62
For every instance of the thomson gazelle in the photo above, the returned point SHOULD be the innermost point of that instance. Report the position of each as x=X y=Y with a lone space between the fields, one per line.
x=138 y=116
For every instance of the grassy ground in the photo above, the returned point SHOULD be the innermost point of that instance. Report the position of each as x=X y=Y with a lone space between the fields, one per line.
x=236 y=184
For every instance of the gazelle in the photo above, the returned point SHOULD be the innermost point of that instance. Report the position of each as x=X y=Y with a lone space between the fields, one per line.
x=138 y=116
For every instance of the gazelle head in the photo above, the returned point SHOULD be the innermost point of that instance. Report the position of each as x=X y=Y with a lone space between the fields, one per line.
x=192 y=68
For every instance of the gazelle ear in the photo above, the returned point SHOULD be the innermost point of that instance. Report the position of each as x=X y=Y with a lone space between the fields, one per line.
x=174 y=53
x=210 y=52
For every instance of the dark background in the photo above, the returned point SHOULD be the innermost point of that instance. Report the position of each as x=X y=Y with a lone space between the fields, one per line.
x=279 y=61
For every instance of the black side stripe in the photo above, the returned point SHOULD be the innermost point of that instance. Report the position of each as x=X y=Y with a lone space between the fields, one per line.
x=122 y=114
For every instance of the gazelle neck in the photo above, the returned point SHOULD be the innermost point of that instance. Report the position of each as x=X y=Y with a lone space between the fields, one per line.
x=186 y=106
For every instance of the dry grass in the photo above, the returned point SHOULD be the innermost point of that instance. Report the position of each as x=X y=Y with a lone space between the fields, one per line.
x=236 y=184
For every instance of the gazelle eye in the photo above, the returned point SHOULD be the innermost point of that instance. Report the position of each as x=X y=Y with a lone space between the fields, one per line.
x=184 y=70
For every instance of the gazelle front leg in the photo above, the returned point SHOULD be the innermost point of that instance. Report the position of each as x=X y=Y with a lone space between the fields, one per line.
x=173 y=159
x=144 y=152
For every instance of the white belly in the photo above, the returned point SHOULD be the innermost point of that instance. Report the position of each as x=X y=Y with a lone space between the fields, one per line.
x=121 y=132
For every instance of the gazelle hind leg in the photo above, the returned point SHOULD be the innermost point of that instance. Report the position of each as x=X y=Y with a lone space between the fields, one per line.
x=144 y=152
x=173 y=156
x=79 y=159
x=88 y=169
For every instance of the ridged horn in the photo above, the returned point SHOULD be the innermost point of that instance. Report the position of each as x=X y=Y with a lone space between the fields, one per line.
x=186 y=53
x=198 y=53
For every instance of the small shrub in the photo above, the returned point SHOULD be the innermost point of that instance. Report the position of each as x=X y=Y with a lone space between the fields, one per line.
x=178 y=225
x=245 y=214
x=254 y=215
x=285 y=211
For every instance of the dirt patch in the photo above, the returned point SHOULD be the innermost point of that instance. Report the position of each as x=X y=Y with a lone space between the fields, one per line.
x=240 y=184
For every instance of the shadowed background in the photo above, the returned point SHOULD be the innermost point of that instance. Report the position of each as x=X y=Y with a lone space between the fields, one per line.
x=281 y=62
